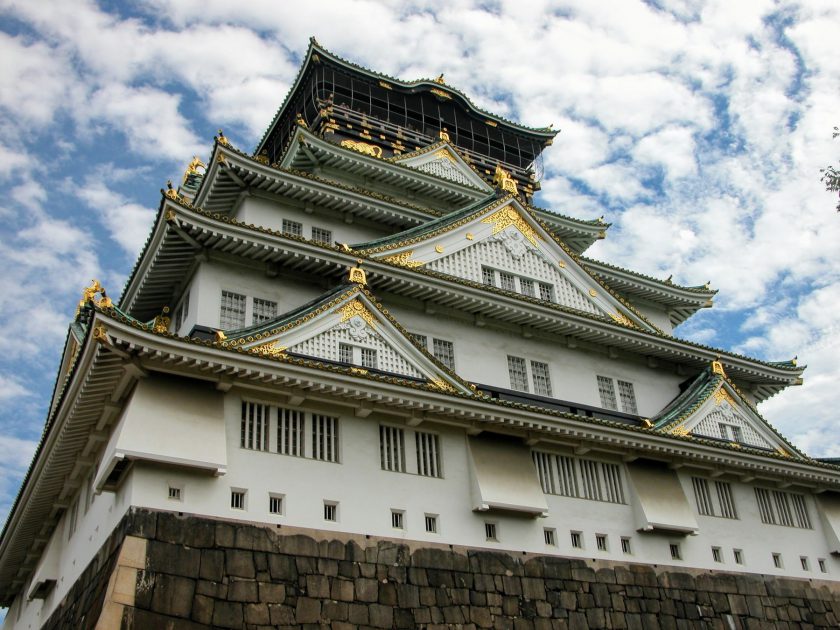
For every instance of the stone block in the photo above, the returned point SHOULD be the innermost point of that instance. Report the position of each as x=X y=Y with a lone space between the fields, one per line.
x=257 y=614
x=577 y=621
x=738 y=604
x=185 y=530
x=228 y=614
x=335 y=611
x=148 y=619
x=583 y=574
x=297 y=545
x=595 y=618
x=533 y=588
x=271 y=592
x=216 y=590
x=280 y=615
x=243 y=591
x=332 y=550
x=481 y=617
x=317 y=586
x=308 y=610
x=173 y=559
x=367 y=590
x=387 y=594
x=173 y=595
x=239 y=563
x=358 y=614
x=306 y=565
x=381 y=616
x=328 y=567
x=282 y=567
x=202 y=609
x=253 y=538
x=212 y=565
x=144 y=589
x=225 y=535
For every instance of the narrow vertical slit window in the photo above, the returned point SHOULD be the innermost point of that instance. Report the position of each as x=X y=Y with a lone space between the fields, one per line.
x=275 y=504
x=738 y=554
x=577 y=539
x=330 y=511
x=431 y=523
x=324 y=438
x=601 y=542
x=777 y=560
x=290 y=432
x=625 y=545
x=392 y=448
x=717 y=555
x=676 y=554
x=397 y=519
x=427 y=446
x=550 y=536
x=490 y=532
x=237 y=499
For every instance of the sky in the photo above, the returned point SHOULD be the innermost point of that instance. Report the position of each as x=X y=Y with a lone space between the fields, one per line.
x=698 y=129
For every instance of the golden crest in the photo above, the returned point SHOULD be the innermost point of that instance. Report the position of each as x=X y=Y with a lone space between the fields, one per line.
x=444 y=155
x=355 y=308
x=440 y=93
x=270 y=349
x=721 y=394
x=161 y=322
x=509 y=216
x=439 y=249
x=503 y=180
x=262 y=158
x=717 y=368
x=593 y=292
x=620 y=318
x=782 y=452
x=444 y=135
x=439 y=383
x=680 y=430
x=357 y=275
x=403 y=259
x=222 y=139
x=362 y=147
x=193 y=168
x=100 y=334
x=220 y=336
x=470 y=236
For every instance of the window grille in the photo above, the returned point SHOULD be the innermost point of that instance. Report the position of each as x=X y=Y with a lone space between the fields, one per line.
x=580 y=478
x=320 y=235
x=264 y=310
x=507 y=281
x=490 y=532
x=237 y=499
x=345 y=353
x=292 y=228
x=731 y=432
x=526 y=287
x=397 y=519
x=546 y=292
x=488 y=276
x=369 y=358
x=777 y=560
x=577 y=540
x=800 y=512
x=330 y=511
x=444 y=352
x=254 y=426
x=392 y=448
x=702 y=496
x=518 y=373
x=275 y=504
x=232 y=313
x=428 y=454
x=725 y=500
x=545 y=471
x=601 y=542
x=675 y=551
x=591 y=481
x=612 y=483
x=550 y=537
x=717 y=556
x=738 y=555
x=324 y=438
x=625 y=545
x=431 y=523
x=628 y=397
x=803 y=560
x=782 y=508
x=823 y=567
x=290 y=427
x=782 y=505
x=421 y=340
x=568 y=479
x=542 y=379
x=607 y=392
x=174 y=493
x=765 y=507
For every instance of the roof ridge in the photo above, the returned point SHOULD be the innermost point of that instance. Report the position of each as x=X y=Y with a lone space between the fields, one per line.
x=639 y=274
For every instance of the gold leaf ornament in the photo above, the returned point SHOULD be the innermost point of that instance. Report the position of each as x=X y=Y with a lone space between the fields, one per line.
x=509 y=216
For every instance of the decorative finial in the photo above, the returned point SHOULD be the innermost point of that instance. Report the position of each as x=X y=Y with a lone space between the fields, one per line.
x=708 y=285
x=357 y=274
x=601 y=219
x=300 y=121
x=262 y=158
x=193 y=168
x=794 y=360
x=222 y=139
x=440 y=79
x=89 y=295
x=444 y=135
x=646 y=423
x=717 y=367
x=503 y=180
x=170 y=192
x=345 y=247
x=220 y=336
x=161 y=323
x=668 y=279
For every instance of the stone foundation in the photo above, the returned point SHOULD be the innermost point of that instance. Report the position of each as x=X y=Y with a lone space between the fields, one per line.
x=163 y=571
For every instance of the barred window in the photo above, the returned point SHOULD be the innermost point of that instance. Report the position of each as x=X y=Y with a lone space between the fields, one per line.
x=607 y=392
x=731 y=432
x=369 y=358
x=325 y=438
x=580 y=478
x=488 y=276
x=428 y=454
x=444 y=352
x=526 y=287
x=392 y=448
x=628 y=397
x=290 y=427
x=542 y=380
x=292 y=228
x=397 y=520
x=431 y=523
x=345 y=353
x=232 y=313
x=320 y=235
x=237 y=499
x=518 y=373
x=546 y=292
x=421 y=340
x=254 y=426
x=550 y=536
x=507 y=281
x=330 y=511
x=702 y=496
x=264 y=310
x=782 y=508
x=725 y=500
x=275 y=503
x=718 y=503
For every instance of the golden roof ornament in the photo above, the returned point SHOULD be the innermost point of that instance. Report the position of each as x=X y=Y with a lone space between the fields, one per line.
x=262 y=158
x=220 y=336
x=717 y=367
x=444 y=135
x=300 y=121
x=193 y=168
x=171 y=192
x=357 y=274
x=161 y=322
x=440 y=80
x=89 y=297
x=222 y=139
x=503 y=180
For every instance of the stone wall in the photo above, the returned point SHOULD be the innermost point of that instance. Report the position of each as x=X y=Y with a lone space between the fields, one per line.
x=200 y=572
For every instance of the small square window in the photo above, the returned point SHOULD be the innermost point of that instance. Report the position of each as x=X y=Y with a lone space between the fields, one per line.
x=823 y=567
x=738 y=555
x=397 y=519
x=577 y=540
x=717 y=556
x=777 y=560
x=292 y=228
x=432 y=523
x=490 y=532
x=675 y=551
x=275 y=503
x=803 y=560
x=237 y=499
x=507 y=281
x=320 y=235
x=330 y=511
x=550 y=536
x=601 y=542
x=175 y=493
x=625 y=545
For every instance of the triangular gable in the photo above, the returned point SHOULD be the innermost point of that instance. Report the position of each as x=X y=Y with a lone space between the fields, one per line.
x=350 y=328
x=712 y=407
x=443 y=160
x=503 y=237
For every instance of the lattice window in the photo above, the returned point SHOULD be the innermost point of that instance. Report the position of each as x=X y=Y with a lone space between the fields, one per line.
x=292 y=228
x=325 y=438
x=320 y=235
x=601 y=542
x=397 y=519
x=369 y=358
x=490 y=532
x=264 y=310
x=627 y=396
x=392 y=448
x=765 y=506
x=606 y=390
x=428 y=454
x=518 y=373
x=488 y=276
x=731 y=432
x=254 y=426
x=550 y=536
x=526 y=287
x=546 y=292
x=290 y=432
x=507 y=281
x=800 y=512
x=421 y=340
x=232 y=313
x=237 y=499
x=444 y=352
x=541 y=377
x=345 y=353
x=330 y=511
x=431 y=523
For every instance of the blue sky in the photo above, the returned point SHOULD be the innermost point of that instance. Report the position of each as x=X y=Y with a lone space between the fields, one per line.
x=698 y=129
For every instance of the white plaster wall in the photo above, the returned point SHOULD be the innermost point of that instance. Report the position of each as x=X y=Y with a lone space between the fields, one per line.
x=269 y=213
x=656 y=314
x=74 y=553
